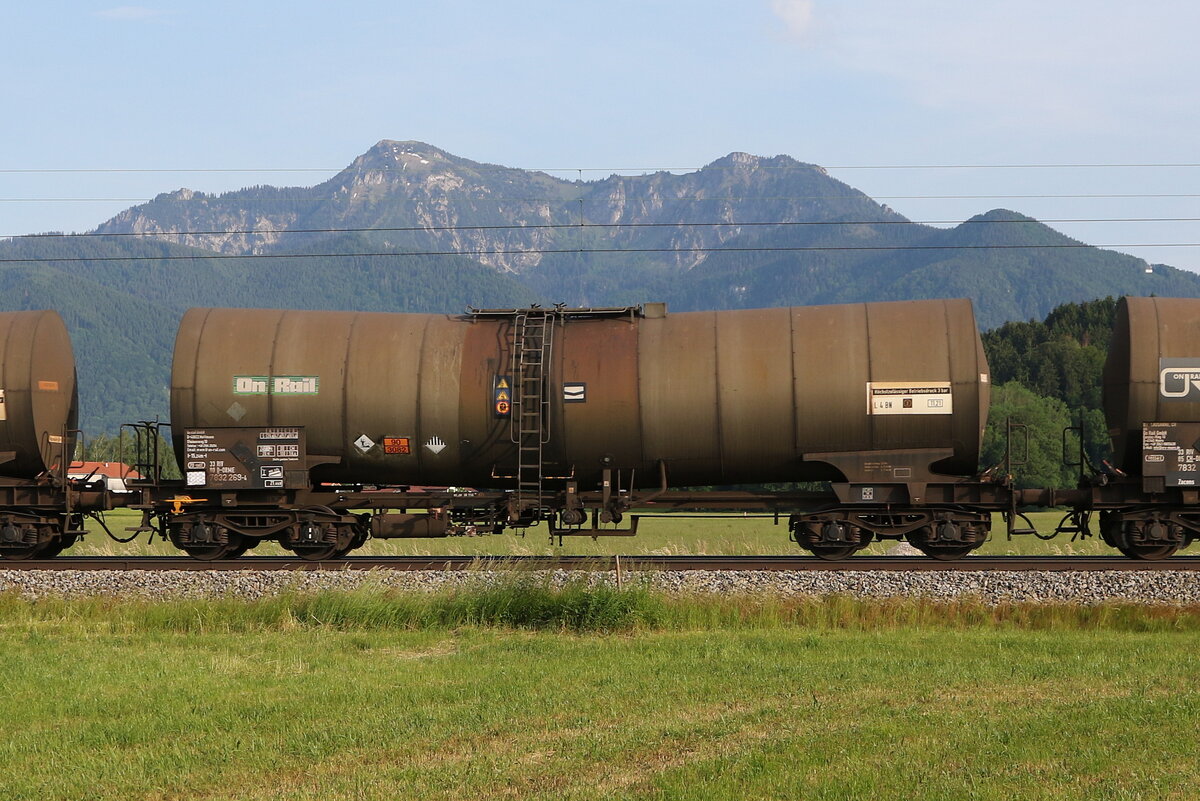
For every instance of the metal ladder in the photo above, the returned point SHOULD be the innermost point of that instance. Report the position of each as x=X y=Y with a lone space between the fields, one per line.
x=532 y=346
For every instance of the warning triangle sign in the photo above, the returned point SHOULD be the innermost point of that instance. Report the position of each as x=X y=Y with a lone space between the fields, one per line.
x=502 y=383
x=502 y=395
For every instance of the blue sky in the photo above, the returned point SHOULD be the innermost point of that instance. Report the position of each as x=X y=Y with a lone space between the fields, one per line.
x=615 y=85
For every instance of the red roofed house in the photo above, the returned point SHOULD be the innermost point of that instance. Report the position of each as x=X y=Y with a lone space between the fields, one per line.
x=113 y=473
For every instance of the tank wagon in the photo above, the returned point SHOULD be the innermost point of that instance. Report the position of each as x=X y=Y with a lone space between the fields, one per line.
x=1148 y=499
x=318 y=429
x=41 y=509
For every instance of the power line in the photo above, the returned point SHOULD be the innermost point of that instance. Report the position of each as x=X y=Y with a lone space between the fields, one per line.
x=576 y=226
x=548 y=251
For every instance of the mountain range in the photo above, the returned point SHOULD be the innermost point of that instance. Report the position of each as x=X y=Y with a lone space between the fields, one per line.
x=409 y=227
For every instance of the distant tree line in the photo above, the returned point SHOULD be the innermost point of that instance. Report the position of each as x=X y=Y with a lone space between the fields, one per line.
x=1047 y=376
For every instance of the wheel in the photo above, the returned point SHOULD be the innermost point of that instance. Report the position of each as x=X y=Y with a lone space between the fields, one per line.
x=346 y=539
x=238 y=549
x=236 y=546
x=46 y=547
x=55 y=546
x=19 y=554
x=944 y=553
x=181 y=535
x=1117 y=532
x=832 y=553
x=1110 y=529
x=209 y=553
x=351 y=537
x=831 y=540
x=319 y=553
x=925 y=540
x=203 y=553
x=1148 y=553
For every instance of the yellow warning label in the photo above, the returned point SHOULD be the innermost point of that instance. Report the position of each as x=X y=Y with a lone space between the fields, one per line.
x=502 y=383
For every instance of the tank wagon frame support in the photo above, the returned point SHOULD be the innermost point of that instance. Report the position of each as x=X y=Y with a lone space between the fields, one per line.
x=945 y=520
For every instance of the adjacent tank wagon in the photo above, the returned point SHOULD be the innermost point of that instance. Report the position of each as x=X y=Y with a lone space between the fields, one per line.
x=38 y=399
x=40 y=507
x=1148 y=499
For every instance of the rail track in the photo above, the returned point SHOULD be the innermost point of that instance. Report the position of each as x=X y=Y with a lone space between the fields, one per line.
x=642 y=562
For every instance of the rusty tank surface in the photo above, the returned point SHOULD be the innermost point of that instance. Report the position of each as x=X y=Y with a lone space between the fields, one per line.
x=886 y=391
x=1152 y=373
x=38 y=399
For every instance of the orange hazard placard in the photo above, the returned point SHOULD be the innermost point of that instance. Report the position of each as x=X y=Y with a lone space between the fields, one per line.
x=397 y=445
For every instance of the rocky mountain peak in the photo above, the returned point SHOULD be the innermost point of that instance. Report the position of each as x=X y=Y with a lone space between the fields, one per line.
x=759 y=227
x=390 y=154
x=748 y=162
x=182 y=193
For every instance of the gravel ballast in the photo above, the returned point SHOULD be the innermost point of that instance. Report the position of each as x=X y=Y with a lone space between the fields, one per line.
x=1083 y=587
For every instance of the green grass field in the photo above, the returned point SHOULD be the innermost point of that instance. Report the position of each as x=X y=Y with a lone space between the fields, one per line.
x=524 y=693
x=730 y=535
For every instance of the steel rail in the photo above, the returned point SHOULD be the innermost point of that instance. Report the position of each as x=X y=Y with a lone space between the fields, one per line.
x=634 y=562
